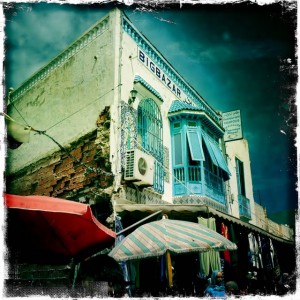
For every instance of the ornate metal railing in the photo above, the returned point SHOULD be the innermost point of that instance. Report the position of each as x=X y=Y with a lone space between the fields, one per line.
x=244 y=207
x=214 y=187
x=190 y=177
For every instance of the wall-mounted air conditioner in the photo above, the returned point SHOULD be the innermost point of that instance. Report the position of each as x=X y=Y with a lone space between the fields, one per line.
x=139 y=167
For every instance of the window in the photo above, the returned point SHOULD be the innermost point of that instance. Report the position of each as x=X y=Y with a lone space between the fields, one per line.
x=240 y=177
x=150 y=138
x=192 y=123
x=244 y=202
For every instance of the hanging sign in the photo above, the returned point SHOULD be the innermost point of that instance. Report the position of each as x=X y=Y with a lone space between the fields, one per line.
x=233 y=125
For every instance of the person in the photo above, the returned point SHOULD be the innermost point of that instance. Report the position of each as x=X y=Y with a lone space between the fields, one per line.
x=100 y=276
x=283 y=286
x=215 y=288
x=231 y=288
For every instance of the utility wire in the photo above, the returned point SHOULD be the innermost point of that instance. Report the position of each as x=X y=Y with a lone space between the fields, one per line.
x=72 y=156
x=82 y=108
x=67 y=117
x=20 y=114
x=27 y=126
x=43 y=132
x=11 y=119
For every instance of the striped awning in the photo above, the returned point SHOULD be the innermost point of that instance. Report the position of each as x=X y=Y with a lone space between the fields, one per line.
x=155 y=238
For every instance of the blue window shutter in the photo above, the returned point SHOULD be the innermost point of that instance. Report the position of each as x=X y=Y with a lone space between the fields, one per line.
x=195 y=145
x=220 y=158
x=215 y=153
x=237 y=167
x=178 y=160
x=209 y=148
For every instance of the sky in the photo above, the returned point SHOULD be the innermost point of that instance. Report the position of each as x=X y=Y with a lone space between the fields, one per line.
x=237 y=56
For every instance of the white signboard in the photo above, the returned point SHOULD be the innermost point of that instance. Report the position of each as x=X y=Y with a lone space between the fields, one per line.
x=233 y=125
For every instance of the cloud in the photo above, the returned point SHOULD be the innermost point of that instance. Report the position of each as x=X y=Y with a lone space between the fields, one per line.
x=35 y=34
x=233 y=51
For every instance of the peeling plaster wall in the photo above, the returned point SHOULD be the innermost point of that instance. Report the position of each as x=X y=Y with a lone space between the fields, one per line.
x=261 y=220
x=66 y=99
x=84 y=173
x=286 y=231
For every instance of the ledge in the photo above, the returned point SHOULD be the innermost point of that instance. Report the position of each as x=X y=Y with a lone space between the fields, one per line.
x=144 y=83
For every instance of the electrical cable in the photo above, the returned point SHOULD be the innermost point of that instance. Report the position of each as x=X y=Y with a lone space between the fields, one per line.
x=43 y=132
x=81 y=109
x=20 y=114
x=72 y=156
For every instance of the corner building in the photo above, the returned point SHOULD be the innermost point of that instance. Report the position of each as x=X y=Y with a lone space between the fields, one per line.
x=137 y=140
x=167 y=125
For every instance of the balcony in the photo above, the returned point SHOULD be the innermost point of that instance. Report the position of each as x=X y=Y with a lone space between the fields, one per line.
x=189 y=181
x=193 y=183
x=244 y=208
x=214 y=187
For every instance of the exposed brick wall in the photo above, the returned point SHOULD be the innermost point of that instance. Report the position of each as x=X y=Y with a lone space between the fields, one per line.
x=84 y=175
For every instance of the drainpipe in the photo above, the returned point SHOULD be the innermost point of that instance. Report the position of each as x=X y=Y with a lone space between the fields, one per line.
x=118 y=35
x=116 y=120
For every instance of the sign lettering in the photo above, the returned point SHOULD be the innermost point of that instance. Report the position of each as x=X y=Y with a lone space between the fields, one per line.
x=150 y=65
x=232 y=125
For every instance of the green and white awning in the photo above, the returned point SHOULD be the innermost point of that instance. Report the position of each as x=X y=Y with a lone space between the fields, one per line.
x=156 y=238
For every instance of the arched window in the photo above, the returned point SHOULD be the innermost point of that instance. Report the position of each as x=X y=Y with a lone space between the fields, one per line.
x=150 y=138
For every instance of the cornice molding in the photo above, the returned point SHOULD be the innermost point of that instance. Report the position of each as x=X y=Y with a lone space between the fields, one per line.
x=144 y=83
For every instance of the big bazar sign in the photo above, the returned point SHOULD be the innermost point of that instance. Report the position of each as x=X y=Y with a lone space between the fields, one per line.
x=150 y=65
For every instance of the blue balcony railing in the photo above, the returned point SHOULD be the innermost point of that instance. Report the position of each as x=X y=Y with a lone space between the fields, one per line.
x=214 y=187
x=189 y=181
x=194 y=174
x=244 y=207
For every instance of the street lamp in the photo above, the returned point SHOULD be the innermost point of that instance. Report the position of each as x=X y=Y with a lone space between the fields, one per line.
x=132 y=97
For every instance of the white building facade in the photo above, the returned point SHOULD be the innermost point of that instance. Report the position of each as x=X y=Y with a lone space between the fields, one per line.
x=241 y=198
x=168 y=122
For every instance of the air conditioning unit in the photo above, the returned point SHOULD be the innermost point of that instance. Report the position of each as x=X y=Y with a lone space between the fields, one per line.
x=139 y=167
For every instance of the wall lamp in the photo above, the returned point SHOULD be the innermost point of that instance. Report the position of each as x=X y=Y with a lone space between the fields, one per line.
x=132 y=97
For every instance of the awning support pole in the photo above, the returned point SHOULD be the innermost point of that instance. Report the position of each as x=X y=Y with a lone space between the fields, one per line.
x=138 y=223
x=169 y=269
